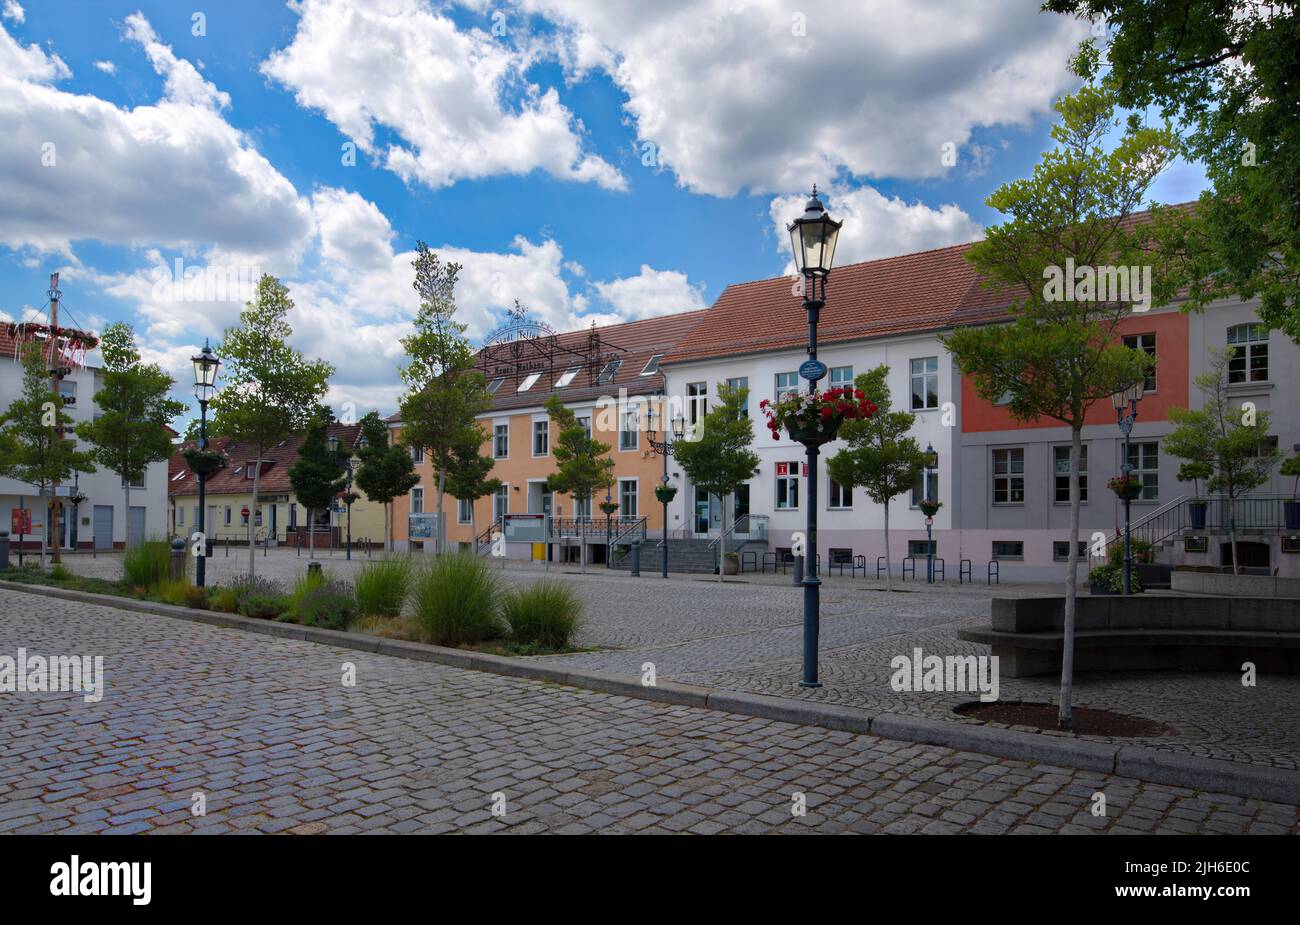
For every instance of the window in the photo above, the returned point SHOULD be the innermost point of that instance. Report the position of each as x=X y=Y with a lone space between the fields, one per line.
x=627 y=436
x=541 y=438
x=1145 y=342
x=1144 y=465
x=609 y=372
x=1061 y=550
x=417 y=500
x=293 y=515
x=1061 y=474
x=501 y=441
x=417 y=454
x=495 y=384
x=787 y=486
x=501 y=502
x=697 y=398
x=842 y=376
x=1009 y=476
x=567 y=376
x=68 y=392
x=464 y=510
x=785 y=384
x=135 y=483
x=180 y=514
x=919 y=486
x=837 y=496
x=919 y=549
x=582 y=507
x=925 y=383
x=585 y=421
x=528 y=382
x=652 y=365
x=1008 y=549
x=627 y=497
x=226 y=515
x=740 y=382
x=1249 y=359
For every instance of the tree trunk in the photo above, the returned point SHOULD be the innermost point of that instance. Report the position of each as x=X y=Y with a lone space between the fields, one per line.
x=388 y=530
x=722 y=541
x=1232 y=530
x=1065 y=716
x=473 y=528
x=311 y=533
x=582 y=539
x=55 y=556
x=252 y=518
x=889 y=572
x=44 y=537
x=126 y=515
x=440 y=544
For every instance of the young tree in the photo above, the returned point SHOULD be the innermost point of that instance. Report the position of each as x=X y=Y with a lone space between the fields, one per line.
x=272 y=392
x=1060 y=353
x=387 y=470
x=31 y=431
x=717 y=456
x=469 y=478
x=318 y=475
x=131 y=431
x=445 y=393
x=880 y=458
x=1227 y=71
x=1225 y=439
x=582 y=466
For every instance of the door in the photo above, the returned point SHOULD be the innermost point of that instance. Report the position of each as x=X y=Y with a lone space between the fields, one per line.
x=708 y=514
x=102 y=526
x=134 y=526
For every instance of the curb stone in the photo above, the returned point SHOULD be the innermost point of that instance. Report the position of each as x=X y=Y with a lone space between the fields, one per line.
x=1135 y=761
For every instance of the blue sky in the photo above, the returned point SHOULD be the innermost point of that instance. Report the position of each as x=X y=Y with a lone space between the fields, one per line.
x=595 y=159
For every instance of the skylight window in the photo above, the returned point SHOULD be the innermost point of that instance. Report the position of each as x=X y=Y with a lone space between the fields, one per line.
x=178 y=476
x=652 y=365
x=495 y=384
x=611 y=369
x=528 y=383
x=567 y=376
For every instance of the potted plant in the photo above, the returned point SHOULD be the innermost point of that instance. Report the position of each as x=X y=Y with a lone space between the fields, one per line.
x=930 y=508
x=814 y=418
x=609 y=507
x=204 y=462
x=665 y=493
x=1126 y=487
x=1291 y=509
x=1193 y=472
x=1109 y=578
x=731 y=563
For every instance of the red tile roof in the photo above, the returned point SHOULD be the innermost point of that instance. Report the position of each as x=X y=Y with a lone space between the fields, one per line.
x=231 y=480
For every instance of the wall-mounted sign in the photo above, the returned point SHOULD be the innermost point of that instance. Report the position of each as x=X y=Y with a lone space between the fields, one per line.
x=1196 y=544
x=812 y=370
x=525 y=528
x=1291 y=544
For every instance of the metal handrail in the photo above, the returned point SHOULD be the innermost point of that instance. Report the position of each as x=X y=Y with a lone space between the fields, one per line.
x=1250 y=512
x=638 y=524
x=742 y=519
x=484 y=539
x=1143 y=523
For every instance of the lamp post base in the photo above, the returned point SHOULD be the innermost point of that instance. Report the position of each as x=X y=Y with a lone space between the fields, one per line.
x=811 y=629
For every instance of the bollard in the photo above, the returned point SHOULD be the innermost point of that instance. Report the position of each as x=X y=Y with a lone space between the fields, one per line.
x=4 y=549
x=313 y=569
x=636 y=559
x=798 y=570
x=176 y=566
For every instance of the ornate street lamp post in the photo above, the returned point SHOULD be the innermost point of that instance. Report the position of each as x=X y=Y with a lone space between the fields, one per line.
x=205 y=385
x=812 y=238
x=1126 y=412
x=665 y=492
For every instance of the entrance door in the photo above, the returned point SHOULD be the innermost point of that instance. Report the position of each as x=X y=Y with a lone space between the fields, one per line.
x=103 y=526
x=708 y=513
x=134 y=526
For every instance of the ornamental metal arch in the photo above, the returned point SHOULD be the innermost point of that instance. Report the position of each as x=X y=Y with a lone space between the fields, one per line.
x=523 y=346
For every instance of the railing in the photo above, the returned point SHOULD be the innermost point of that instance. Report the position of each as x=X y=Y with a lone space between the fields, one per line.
x=1253 y=513
x=636 y=525
x=1158 y=525
x=755 y=530
x=484 y=539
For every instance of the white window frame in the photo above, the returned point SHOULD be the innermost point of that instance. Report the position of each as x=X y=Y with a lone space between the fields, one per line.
x=1136 y=451
x=417 y=499
x=623 y=495
x=464 y=510
x=501 y=501
x=928 y=372
x=544 y=432
x=1060 y=475
x=629 y=440
x=841 y=376
x=1246 y=347
x=837 y=496
x=1010 y=476
x=497 y=437
x=792 y=385
x=791 y=485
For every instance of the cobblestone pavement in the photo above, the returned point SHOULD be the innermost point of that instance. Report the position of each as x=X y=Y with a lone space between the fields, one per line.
x=747 y=635
x=266 y=731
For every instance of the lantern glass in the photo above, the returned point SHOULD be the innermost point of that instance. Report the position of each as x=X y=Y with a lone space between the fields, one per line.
x=813 y=237
x=679 y=427
x=205 y=372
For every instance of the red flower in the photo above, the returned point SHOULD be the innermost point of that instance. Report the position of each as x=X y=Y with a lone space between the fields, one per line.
x=826 y=411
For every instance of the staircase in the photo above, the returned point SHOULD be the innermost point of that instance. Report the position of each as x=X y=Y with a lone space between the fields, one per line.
x=693 y=555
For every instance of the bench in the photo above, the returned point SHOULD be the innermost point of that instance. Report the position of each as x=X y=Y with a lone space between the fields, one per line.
x=1144 y=633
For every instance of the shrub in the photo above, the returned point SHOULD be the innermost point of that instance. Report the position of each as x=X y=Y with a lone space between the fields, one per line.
x=225 y=600
x=174 y=591
x=196 y=597
x=1111 y=577
x=455 y=600
x=146 y=565
x=330 y=606
x=309 y=582
x=263 y=606
x=383 y=585
x=546 y=613
x=60 y=572
x=268 y=601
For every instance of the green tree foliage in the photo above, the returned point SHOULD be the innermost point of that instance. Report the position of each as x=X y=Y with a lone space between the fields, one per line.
x=1223 y=439
x=717 y=457
x=271 y=391
x=1226 y=69
x=445 y=393
x=318 y=475
x=582 y=463
x=32 y=433
x=130 y=433
x=1058 y=356
x=880 y=458
x=387 y=470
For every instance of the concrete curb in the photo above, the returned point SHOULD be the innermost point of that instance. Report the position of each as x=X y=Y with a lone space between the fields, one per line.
x=1136 y=761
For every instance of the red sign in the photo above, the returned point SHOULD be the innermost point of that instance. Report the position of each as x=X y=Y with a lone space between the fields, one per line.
x=782 y=469
x=244 y=510
x=20 y=520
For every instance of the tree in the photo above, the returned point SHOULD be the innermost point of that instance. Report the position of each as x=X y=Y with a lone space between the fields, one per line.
x=717 y=457
x=1059 y=354
x=1226 y=69
x=1224 y=438
x=582 y=466
x=31 y=434
x=318 y=475
x=880 y=458
x=272 y=392
x=469 y=478
x=387 y=470
x=131 y=431
x=445 y=393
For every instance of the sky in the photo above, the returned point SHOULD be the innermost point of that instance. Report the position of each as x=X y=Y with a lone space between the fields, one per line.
x=595 y=160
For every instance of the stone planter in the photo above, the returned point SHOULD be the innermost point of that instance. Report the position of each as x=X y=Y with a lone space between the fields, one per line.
x=731 y=564
x=1291 y=512
x=823 y=431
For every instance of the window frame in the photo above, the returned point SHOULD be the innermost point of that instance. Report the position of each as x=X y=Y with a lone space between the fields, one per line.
x=1010 y=475
x=1255 y=344
x=1058 y=476
x=1138 y=342
x=542 y=430
x=925 y=375
x=500 y=436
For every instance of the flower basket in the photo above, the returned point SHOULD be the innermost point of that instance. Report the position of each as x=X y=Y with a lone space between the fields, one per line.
x=665 y=493
x=349 y=497
x=1126 y=488
x=814 y=418
x=930 y=508
x=204 y=462
x=609 y=507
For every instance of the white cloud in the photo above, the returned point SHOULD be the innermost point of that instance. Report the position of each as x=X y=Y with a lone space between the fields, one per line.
x=650 y=293
x=735 y=98
x=108 y=67
x=877 y=226
x=13 y=11
x=457 y=99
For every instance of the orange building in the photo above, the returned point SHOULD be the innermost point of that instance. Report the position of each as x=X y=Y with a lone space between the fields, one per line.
x=609 y=377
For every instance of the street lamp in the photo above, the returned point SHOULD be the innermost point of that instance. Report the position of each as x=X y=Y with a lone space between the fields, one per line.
x=812 y=239
x=205 y=384
x=664 y=448
x=931 y=464
x=1126 y=412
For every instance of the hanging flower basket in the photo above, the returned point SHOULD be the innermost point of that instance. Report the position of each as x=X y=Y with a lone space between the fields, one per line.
x=609 y=507
x=815 y=418
x=1126 y=488
x=930 y=508
x=349 y=498
x=665 y=493
x=204 y=462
